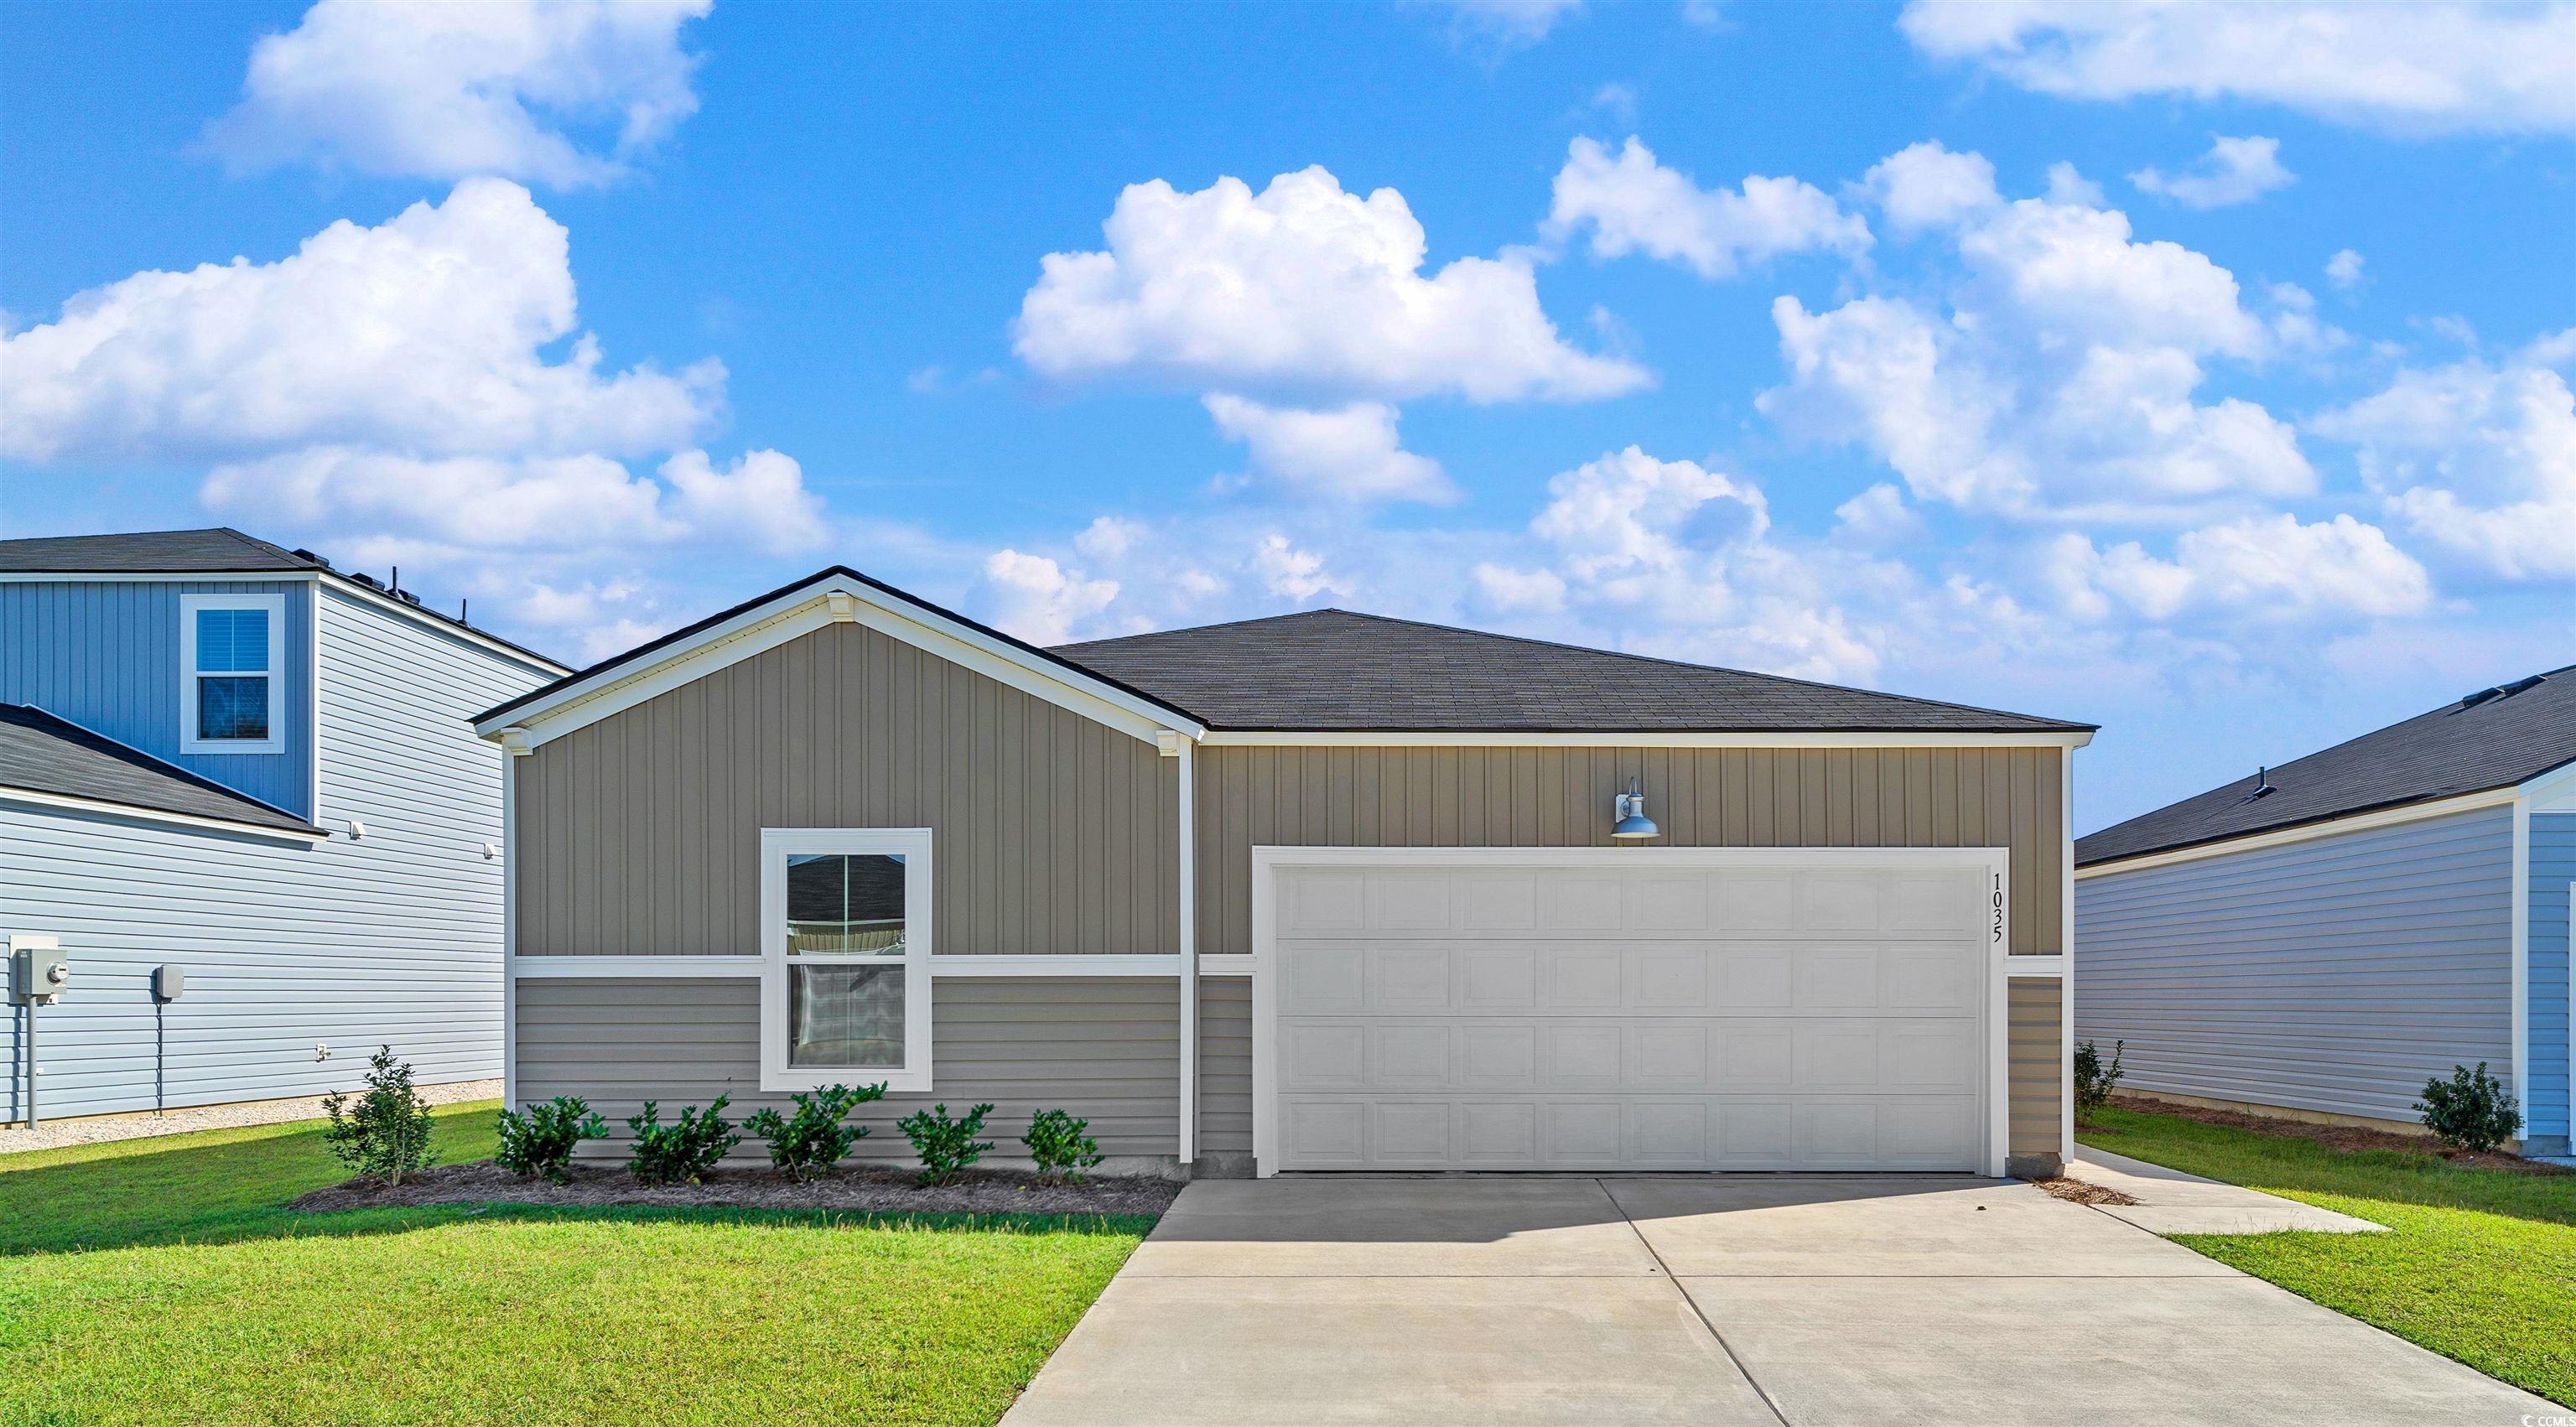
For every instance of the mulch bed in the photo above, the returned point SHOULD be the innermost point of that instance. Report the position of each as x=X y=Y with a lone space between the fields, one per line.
x=2346 y=1138
x=2081 y=1192
x=866 y=1189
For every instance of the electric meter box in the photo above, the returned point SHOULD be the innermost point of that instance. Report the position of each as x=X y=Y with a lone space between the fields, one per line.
x=37 y=975
x=168 y=980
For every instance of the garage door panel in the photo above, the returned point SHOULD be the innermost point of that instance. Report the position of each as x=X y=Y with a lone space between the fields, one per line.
x=1658 y=1018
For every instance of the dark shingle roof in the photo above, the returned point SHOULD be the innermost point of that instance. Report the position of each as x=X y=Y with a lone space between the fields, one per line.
x=150 y=552
x=44 y=754
x=1331 y=670
x=2462 y=747
x=219 y=550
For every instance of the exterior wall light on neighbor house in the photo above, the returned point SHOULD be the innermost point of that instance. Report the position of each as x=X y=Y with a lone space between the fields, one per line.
x=1628 y=814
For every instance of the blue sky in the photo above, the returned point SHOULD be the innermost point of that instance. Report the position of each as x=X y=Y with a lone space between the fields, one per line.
x=2001 y=355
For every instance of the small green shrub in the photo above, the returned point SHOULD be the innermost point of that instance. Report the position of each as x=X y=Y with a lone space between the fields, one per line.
x=1057 y=1143
x=681 y=1153
x=2471 y=1111
x=812 y=1140
x=2095 y=1081
x=385 y=1132
x=541 y=1141
x=945 y=1146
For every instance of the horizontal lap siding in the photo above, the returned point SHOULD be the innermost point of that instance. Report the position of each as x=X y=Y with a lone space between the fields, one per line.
x=641 y=832
x=2553 y=868
x=2335 y=974
x=2033 y=1005
x=1105 y=1049
x=394 y=939
x=1225 y=1065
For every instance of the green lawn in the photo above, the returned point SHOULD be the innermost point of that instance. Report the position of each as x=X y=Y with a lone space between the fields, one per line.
x=163 y=1281
x=2479 y=1264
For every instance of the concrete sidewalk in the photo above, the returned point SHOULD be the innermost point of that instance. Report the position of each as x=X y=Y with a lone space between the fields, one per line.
x=2172 y=1202
x=1710 y=1299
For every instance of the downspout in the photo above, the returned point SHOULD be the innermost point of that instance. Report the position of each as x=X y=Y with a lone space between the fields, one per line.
x=1181 y=746
x=2520 y=883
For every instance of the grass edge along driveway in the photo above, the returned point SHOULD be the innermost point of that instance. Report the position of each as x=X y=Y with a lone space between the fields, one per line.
x=2478 y=1264
x=161 y=1280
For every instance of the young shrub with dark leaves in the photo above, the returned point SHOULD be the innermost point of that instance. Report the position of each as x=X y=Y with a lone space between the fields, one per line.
x=2095 y=1081
x=809 y=1142
x=384 y=1132
x=541 y=1141
x=2470 y=1111
x=680 y=1153
x=945 y=1146
x=1061 y=1148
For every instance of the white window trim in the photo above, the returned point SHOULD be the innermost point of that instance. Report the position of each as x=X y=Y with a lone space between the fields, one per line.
x=275 y=608
x=776 y=846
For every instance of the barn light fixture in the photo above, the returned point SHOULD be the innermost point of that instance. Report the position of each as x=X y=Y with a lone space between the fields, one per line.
x=1628 y=814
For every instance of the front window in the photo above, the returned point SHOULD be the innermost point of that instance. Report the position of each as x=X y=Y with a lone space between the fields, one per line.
x=229 y=675
x=845 y=924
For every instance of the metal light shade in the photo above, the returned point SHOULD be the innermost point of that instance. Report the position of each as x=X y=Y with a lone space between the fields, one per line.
x=1629 y=808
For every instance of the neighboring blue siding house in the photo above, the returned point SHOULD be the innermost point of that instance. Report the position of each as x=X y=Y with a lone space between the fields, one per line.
x=228 y=757
x=2327 y=935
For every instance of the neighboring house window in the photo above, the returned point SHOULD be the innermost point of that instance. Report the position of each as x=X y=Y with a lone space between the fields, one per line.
x=844 y=944
x=231 y=688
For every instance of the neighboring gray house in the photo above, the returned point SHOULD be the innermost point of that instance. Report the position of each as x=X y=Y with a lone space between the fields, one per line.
x=2327 y=935
x=195 y=726
x=1324 y=891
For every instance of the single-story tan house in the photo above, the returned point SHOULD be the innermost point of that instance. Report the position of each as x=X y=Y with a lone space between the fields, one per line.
x=1325 y=891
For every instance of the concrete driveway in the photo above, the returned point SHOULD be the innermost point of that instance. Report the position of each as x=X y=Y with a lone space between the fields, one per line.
x=1756 y=1300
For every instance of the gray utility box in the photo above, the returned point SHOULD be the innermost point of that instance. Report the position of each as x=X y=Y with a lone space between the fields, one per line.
x=37 y=975
x=168 y=980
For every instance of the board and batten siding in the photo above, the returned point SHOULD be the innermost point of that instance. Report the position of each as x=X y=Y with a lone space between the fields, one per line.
x=2333 y=974
x=390 y=940
x=1560 y=797
x=640 y=833
x=2553 y=870
x=1104 y=1048
x=105 y=655
x=2035 y=1070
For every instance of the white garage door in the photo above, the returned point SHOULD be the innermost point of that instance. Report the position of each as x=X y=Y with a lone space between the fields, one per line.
x=1626 y=1009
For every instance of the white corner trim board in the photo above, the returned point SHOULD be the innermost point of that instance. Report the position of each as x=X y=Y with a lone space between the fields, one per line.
x=2304 y=832
x=834 y=598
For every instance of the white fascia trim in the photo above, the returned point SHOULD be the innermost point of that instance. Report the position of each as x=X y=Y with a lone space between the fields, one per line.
x=631 y=968
x=2066 y=950
x=2359 y=822
x=1453 y=738
x=1994 y=861
x=337 y=581
x=806 y=608
x=2553 y=791
x=1225 y=964
x=1144 y=964
x=32 y=798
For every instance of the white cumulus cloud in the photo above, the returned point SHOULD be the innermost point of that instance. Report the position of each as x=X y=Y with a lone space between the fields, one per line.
x=2479 y=459
x=2499 y=66
x=1035 y=598
x=2344 y=269
x=2234 y=171
x=2263 y=569
x=453 y=90
x=1632 y=203
x=1301 y=287
x=1926 y=185
x=423 y=334
x=1346 y=453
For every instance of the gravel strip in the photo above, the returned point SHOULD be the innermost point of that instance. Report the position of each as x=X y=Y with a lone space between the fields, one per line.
x=56 y=1134
x=995 y=1191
